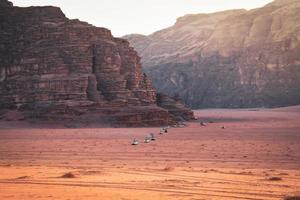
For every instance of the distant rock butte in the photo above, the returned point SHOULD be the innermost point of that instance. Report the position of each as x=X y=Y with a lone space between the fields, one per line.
x=235 y=58
x=53 y=68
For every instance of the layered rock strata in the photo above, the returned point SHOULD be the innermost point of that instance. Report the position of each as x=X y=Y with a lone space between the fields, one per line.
x=55 y=68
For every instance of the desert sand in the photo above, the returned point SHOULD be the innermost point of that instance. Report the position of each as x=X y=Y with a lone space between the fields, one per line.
x=256 y=155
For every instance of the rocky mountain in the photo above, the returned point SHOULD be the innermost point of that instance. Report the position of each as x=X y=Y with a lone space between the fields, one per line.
x=54 y=68
x=235 y=58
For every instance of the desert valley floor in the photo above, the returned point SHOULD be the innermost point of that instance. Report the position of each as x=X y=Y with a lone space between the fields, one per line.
x=256 y=156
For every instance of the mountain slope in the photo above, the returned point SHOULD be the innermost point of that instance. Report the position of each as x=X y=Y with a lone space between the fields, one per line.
x=235 y=58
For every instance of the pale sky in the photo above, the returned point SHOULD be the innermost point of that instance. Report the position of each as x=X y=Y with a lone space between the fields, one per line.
x=138 y=16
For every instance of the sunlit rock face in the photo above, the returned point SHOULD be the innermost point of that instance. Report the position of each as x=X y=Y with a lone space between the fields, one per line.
x=236 y=58
x=50 y=64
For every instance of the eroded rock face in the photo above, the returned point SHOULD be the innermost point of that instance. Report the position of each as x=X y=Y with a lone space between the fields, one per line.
x=52 y=67
x=234 y=58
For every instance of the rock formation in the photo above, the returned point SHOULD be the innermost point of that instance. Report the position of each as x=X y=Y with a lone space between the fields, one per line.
x=235 y=58
x=175 y=107
x=55 y=68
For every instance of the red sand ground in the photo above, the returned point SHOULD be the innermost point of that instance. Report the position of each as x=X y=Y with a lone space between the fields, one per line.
x=193 y=162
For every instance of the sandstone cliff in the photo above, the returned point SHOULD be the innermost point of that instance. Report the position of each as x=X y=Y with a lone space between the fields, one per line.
x=235 y=58
x=55 y=68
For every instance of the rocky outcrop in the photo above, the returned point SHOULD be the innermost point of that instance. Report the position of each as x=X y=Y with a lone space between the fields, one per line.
x=55 y=68
x=175 y=107
x=235 y=58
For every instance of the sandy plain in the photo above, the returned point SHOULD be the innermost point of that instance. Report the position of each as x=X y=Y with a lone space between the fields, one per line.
x=256 y=156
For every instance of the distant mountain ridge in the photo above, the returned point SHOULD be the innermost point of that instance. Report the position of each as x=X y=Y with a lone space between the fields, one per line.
x=234 y=58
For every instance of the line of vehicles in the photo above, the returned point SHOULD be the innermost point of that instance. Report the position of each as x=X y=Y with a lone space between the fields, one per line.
x=151 y=136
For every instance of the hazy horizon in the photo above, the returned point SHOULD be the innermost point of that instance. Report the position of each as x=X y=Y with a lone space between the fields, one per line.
x=138 y=16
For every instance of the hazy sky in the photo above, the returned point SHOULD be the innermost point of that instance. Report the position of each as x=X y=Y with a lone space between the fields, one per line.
x=138 y=16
